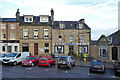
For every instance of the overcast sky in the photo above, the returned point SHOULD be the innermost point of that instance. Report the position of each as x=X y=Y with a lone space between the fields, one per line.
x=100 y=15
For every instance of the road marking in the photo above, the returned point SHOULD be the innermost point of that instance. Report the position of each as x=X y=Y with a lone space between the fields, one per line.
x=114 y=77
x=47 y=70
x=66 y=71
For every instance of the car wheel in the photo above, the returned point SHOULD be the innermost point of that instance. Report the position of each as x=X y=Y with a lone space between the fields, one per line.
x=48 y=65
x=70 y=66
x=74 y=64
x=32 y=64
x=116 y=73
x=39 y=66
x=15 y=63
x=59 y=66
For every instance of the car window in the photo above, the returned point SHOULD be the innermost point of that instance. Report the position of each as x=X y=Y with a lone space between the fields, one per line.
x=18 y=55
x=43 y=58
x=63 y=58
x=49 y=58
x=29 y=58
x=11 y=55
x=97 y=63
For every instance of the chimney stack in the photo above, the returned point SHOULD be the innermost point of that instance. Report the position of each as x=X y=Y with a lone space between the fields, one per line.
x=17 y=15
x=52 y=16
x=82 y=20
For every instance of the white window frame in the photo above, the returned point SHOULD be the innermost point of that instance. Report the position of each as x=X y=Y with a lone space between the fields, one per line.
x=62 y=25
x=2 y=35
x=25 y=33
x=12 y=26
x=35 y=33
x=82 y=38
x=28 y=18
x=83 y=47
x=3 y=26
x=80 y=25
x=46 y=34
x=12 y=35
x=71 y=38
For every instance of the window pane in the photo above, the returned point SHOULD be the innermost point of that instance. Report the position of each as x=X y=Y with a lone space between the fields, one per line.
x=3 y=26
x=3 y=48
x=12 y=35
x=12 y=26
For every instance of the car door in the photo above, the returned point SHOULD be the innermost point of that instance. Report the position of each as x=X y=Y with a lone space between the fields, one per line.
x=71 y=60
x=19 y=58
x=49 y=60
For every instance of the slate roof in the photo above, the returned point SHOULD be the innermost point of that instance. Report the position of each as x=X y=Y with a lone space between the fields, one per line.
x=36 y=22
x=93 y=42
x=8 y=20
x=115 y=38
x=70 y=25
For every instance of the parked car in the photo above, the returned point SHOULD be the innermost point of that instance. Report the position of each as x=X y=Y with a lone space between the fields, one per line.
x=2 y=56
x=30 y=61
x=14 y=58
x=66 y=61
x=54 y=55
x=46 y=61
x=97 y=65
x=117 y=67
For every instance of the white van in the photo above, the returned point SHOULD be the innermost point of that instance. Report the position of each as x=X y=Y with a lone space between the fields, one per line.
x=14 y=58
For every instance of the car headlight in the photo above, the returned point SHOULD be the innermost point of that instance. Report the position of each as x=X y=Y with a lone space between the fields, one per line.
x=30 y=62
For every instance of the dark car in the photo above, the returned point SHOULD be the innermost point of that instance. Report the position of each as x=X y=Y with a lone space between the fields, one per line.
x=117 y=67
x=66 y=61
x=97 y=66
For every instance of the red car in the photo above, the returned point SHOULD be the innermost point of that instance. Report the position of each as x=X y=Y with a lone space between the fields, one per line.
x=30 y=61
x=46 y=61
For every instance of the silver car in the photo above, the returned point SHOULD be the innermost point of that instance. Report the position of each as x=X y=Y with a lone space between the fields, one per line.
x=66 y=61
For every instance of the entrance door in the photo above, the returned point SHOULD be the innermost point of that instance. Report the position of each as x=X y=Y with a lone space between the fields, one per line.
x=9 y=49
x=25 y=47
x=71 y=50
x=35 y=48
x=114 y=53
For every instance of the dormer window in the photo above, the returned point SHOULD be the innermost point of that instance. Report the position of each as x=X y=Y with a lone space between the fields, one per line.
x=28 y=18
x=44 y=18
x=62 y=25
x=80 y=25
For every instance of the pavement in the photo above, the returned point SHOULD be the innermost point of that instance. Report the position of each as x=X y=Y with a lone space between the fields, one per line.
x=81 y=63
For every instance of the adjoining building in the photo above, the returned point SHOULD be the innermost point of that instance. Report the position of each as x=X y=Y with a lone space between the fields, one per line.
x=106 y=48
x=9 y=35
x=69 y=37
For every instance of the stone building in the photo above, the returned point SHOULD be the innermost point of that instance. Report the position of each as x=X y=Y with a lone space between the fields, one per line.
x=106 y=48
x=42 y=35
x=69 y=37
x=9 y=35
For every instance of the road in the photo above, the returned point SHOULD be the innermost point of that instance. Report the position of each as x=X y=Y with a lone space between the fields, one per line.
x=53 y=72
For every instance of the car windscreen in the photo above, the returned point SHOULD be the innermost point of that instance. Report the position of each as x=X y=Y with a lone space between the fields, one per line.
x=3 y=55
x=43 y=58
x=11 y=55
x=63 y=59
x=97 y=63
x=29 y=58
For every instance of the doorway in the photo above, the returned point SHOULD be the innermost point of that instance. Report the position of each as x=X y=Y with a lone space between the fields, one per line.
x=114 y=53
x=35 y=48
x=71 y=50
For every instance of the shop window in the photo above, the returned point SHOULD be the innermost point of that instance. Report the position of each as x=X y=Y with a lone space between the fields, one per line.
x=59 y=49
x=83 y=49
x=103 y=51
